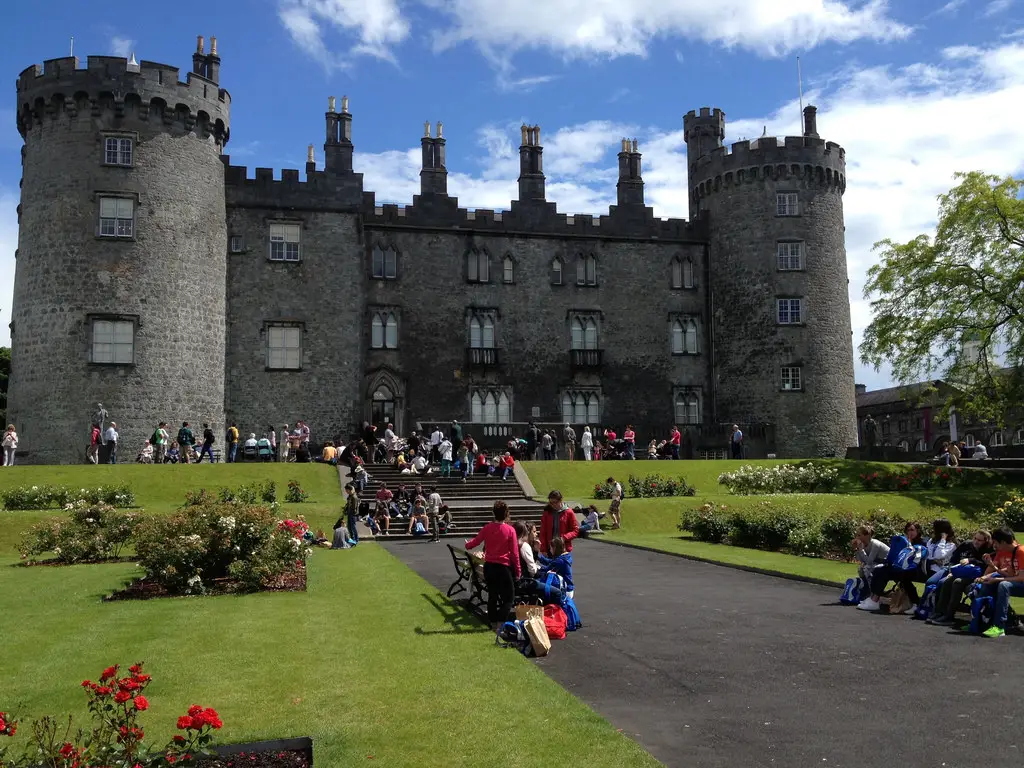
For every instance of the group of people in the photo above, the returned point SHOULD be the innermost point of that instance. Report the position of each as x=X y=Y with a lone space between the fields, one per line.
x=421 y=511
x=953 y=451
x=186 y=448
x=991 y=565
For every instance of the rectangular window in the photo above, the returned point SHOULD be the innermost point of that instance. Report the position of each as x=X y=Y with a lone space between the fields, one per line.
x=790 y=256
x=113 y=341
x=791 y=378
x=284 y=242
x=385 y=263
x=284 y=347
x=384 y=330
x=787 y=204
x=117 y=151
x=790 y=311
x=117 y=216
x=236 y=244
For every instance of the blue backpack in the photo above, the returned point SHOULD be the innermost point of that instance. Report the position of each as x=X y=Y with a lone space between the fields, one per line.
x=512 y=634
x=855 y=591
x=970 y=572
x=926 y=605
x=904 y=556
x=572 y=616
x=981 y=612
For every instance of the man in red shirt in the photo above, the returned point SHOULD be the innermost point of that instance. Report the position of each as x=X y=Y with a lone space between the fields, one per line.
x=674 y=439
x=507 y=464
x=557 y=520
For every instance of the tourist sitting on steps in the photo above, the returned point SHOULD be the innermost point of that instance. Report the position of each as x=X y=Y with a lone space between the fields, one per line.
x=507 y=465
x=419 y=522
x=481 y=465
x=420 y=465
x=381 y=520
x=501 y=564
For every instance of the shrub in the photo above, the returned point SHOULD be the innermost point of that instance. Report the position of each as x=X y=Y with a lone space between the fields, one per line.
x=187 y=551
x=90 y=533
x=709 y=522
x=809 y=540
x=917 y=477
x=602 y=491
x=50 y=496
x=838 y=530
x=655 y=485
x=767 y=527
x=295 y=493
x=886 y=525
x=199 y=498
x=781 y=478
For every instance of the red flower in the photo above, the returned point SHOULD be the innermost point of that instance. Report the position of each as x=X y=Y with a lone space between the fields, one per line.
x=179 y=739
x=128 y=684
x=140 y=679
x=135 y=668
x=108 y=673
x=87 y=683
x=103 y=690
x=141 y=704
x=184 y=722
x=172 y=759
x=195 y=709
x=122 y=696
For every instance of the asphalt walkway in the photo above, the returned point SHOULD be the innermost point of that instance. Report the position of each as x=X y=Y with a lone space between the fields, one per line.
x=709 y=666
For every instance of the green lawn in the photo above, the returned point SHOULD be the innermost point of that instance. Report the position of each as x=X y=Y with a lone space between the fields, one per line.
x=370 y=661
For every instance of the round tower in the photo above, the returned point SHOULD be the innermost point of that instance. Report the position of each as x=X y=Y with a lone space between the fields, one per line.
x=780 y=308
x=119 y=292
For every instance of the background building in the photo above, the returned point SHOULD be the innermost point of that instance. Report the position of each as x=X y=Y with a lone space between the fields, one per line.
x=158 y=278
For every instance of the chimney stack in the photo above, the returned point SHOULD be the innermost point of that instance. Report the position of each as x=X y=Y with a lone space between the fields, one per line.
x=338 y=147
x=434 y=173
x=531 y=165
x=811 y=121
x=630 y=188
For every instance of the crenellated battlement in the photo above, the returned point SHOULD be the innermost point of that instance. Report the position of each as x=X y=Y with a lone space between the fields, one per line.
x=61 y=88
x=808 y=159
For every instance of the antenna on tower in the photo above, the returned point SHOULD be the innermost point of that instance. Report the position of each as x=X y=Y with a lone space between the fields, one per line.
x=800 y=86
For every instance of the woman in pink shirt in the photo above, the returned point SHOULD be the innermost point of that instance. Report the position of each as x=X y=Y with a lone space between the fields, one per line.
x=501 y=564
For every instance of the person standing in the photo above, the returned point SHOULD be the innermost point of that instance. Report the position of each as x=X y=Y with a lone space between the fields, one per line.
x=160 y=441
x=629 y=437
x=186 y=441
x=435 y=445
x=532 y=439
x=208 y=440
x=351 y=512
x=445 y=451
x=10 y=445
x=557 y=519
x=433 y=511
x=674 y=438
x=501 y=564
x=569 y=435
x=111 y=441
x=369 y=435
x=304 y=436
x=272 y=437
x=615 y=509
x=736 y=442
x=545 y=445
x=455 y=433
x=93 y=454
x=587 y=444
x=282 y=445
x=232 y=441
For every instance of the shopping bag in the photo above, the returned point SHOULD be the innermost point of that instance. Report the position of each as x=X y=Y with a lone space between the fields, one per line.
x=899 y=601
x=524 y=612
x=538 y=634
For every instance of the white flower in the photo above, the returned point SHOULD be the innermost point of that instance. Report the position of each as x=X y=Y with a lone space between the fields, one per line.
x=228 y=523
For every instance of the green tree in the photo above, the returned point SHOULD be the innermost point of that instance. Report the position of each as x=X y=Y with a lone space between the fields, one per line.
x=952 y=305
x=5 y=374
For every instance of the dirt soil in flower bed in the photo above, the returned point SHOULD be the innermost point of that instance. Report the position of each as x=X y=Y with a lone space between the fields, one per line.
x=147 y=589
x=60 y=563
x=268 y=759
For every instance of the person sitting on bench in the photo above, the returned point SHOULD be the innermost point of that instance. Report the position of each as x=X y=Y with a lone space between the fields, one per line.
x=560 y=562
x=952 y=589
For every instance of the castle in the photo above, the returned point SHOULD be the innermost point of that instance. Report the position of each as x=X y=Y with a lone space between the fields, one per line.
x=159 y=279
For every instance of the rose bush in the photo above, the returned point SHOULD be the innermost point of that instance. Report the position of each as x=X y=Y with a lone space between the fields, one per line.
x=655 y=485
x=781 y=478
x=116 y=738
x=295 y=494
x=50 y=496
x=89 y=533
x=189 y=550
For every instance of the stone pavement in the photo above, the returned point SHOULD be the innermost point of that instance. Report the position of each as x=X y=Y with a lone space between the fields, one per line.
x=709 y=666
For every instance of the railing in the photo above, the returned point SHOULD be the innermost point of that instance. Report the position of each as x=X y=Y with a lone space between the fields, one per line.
x=482 y=357
x=586 y=358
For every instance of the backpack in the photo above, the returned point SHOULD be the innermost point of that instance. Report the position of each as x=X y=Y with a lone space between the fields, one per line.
x=155 y=438
x=926 y=605
x=981 y=611
x=970 y=572
x=854 y=592
x=512 y=634
x=572 y=616
x=553 y=580
x=555 y=621
x=904 y=556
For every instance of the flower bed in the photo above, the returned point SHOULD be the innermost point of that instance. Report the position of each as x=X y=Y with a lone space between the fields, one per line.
x=914 y=478
x=647 y=487
x=57 y=496
x=91 y=533
x=781 y=478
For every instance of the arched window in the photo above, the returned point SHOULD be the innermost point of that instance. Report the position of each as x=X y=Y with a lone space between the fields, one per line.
x=478 y=267
x=477 y=408
x=687 y=273
x=508 y=270
x=581 y=407
x=687 y=408
x=969 y=440
x=490 y=406
x=556 y=272
x=384 y=330
x=481 y=332
x=385 y=263
x=922 y=446
x=490 y=409
x=677 y=272
x=684 y=336
x=904 y=446
x=997 y=439
x=504 y=409
x=584 y=333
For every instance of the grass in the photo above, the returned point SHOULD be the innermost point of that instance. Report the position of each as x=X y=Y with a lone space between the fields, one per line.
x=370 y=661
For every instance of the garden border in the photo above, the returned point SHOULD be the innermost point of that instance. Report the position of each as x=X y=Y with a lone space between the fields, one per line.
x=734 y=566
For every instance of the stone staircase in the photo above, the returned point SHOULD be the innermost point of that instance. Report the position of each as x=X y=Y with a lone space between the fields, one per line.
x=471 y=503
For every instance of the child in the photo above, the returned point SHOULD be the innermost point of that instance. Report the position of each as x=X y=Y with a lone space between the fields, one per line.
x=652 y=450
x=560 y=562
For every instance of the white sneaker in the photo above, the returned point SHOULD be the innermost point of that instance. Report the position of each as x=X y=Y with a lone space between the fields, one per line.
x=869 y=605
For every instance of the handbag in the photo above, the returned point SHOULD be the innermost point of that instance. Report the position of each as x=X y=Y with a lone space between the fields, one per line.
x=899 y=601
x=555 y=621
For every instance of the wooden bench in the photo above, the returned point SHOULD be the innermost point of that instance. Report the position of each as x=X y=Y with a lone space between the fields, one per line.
x=470 y=570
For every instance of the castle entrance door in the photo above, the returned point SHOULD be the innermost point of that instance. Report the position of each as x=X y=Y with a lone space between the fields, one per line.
x=382 y=409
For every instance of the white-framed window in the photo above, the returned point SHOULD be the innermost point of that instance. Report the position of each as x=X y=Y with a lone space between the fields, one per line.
x=682 y=272
x=790 y=311
x=581 y=407
x=113 y=341
x=787 y=204
x=508 y=270
x=284 y=241
x=1018 y=437
x=922 y=446
x=790 y=256
x=489 y=406
x=117 y=150
x=969 y=440
x=684 y=336
x=904 y=446
x=998 y=440
x=481 y=331
x=792 y=378
x=586 y=270
x=556 y=271
x=284 y=347
x=236 y=244
x=584 y=332
x=385 y=263
x=384 y=329
x=687 y=407
x=478 y=267
x=117 y=217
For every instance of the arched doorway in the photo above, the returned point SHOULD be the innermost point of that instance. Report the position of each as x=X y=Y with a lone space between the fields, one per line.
x=385 y=400
x=382 y=408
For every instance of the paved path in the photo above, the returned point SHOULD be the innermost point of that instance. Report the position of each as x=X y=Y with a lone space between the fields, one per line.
x=708 y=666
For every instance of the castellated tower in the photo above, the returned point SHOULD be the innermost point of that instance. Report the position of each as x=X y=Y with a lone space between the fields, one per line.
x=779 y=301
x=121 y=262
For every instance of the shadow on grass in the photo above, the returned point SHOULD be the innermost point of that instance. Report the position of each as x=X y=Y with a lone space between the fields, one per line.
x=460 y=620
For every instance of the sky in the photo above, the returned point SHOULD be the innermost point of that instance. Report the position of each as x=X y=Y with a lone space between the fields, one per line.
x=914 y=90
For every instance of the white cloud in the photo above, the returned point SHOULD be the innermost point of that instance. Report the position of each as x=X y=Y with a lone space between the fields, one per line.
x=951 y=7
x=8 y=244
x=367 y=27
x=121 y=46
x=996 y=7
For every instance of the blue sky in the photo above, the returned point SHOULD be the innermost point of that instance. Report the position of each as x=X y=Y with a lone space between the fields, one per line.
x=914 y=90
